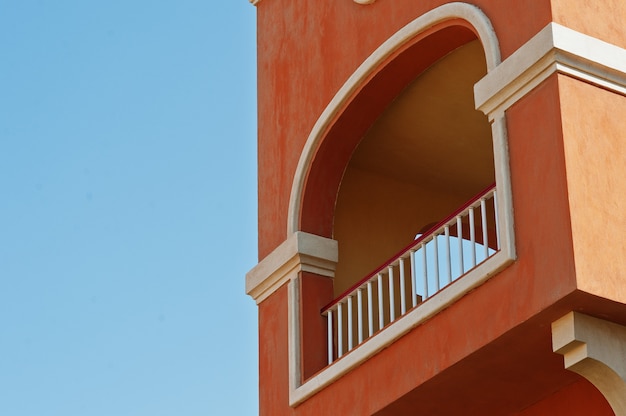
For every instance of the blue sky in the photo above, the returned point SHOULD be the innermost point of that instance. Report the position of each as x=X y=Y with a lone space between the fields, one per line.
x=127 y=207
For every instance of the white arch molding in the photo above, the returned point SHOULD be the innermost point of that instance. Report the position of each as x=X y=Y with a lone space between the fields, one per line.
x=470 y=13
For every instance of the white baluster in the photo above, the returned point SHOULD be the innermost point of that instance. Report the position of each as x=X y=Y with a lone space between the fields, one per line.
x=330 y=336
x=413 y=288
x=392 y=301
x=472 y=236
x=381 y=317
x=370 y=309
x=495 y=208
x=402 y=289
x=459 y=231
x=483 y=220
x=350 y=343
x=359 y=312
x=436 y=263
x=339 y=329
x=424 y=272
x=448 y=257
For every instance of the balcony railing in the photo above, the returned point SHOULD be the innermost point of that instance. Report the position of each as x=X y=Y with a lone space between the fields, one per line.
x=430 y=263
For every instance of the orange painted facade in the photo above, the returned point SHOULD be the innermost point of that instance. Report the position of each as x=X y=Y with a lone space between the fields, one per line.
x=490 y=351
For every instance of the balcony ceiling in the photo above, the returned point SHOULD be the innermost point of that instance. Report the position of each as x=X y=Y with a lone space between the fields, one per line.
x=431 y=135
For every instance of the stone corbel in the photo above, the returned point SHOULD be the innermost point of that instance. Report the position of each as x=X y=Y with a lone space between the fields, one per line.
x=595 y=349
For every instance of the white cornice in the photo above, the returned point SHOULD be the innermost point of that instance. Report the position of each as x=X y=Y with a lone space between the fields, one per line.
x=300 y=252
x=554 y=49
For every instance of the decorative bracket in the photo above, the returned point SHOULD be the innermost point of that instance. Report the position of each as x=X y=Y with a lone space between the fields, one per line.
x=595 y=349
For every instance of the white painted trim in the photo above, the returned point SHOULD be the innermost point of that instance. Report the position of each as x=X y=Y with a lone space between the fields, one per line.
x=293 y=309
x=392 y=332
x=472 y=14
x=506 y=225
x=554 y=49
x=300 y=252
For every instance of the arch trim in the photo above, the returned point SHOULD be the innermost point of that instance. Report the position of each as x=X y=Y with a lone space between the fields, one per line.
x=451 y=11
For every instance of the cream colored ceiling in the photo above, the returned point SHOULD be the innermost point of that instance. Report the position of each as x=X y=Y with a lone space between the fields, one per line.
x=431 y=135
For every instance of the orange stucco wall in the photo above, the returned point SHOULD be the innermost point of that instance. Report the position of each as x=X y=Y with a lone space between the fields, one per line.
x=603 y=19
x=595 y=153
x=315 y=292
x=578 y=399
x=532 y=284
x=496 y=337
x=273 y=354
x=490 y=352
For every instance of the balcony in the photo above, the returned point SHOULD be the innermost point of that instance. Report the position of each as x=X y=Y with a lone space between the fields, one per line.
x=362 y=191
x=434 y=261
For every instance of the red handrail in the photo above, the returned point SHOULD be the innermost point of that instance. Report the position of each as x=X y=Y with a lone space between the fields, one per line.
x=413 y=243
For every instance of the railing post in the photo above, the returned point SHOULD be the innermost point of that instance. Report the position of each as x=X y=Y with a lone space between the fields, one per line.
x=402 y=289
x=472 y=236
x=370 y=309
x=381 y=317
x=483 y=220
x=339 y=329
x=459 y=231
x=448 y=256
x=329 y=316
x=495 y=209
x=436 y=263
x=392 y=300
x=350 y=325
x=413 y=289
x=359 y=313
x=424 y=271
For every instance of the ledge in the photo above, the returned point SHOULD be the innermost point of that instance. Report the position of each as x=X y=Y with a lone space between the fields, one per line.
x=554 y=49
x=300 y=252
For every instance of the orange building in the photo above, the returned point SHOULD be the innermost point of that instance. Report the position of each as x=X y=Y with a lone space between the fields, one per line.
x=442 y=199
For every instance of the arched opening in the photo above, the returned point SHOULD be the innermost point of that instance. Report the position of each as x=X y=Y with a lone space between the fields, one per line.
x=314 y=199
x=426 y=154
x=399 y=148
